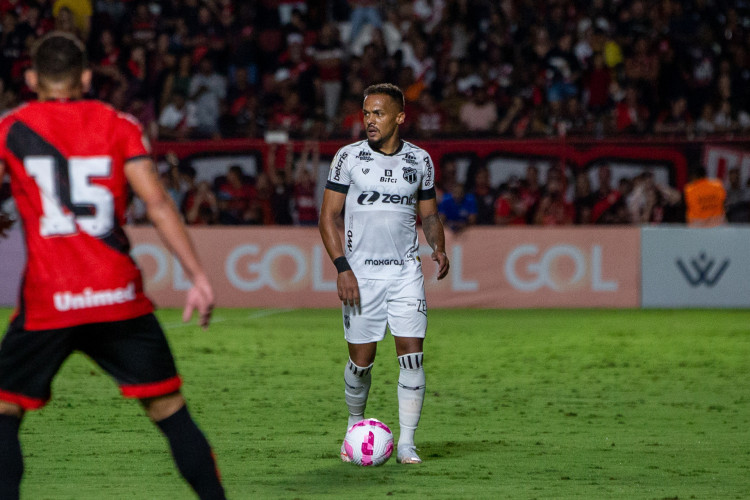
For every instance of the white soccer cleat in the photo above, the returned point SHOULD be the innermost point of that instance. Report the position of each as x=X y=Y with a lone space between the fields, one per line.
x=407 y=454
x=344 y=455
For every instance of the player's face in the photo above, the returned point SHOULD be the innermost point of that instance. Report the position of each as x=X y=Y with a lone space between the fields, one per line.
x=382 y=116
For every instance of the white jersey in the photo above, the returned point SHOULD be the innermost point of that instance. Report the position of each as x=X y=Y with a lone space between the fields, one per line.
x=382 y=192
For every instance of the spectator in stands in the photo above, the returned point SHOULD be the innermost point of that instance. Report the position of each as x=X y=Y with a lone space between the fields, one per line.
x=630 y=115
x=207 y=91
x=704 y=199
x=305 y=204
x=530 y=191
x=282 y=181
x=479 y=115
x=485 y=196
x=328 y=56
x=429 y=120
x=553 y=209
x=676 y=120
x=177 y=120
x=458 y=209
x=649 y=202
x=363 y=12
x=608 y=202
x=80 y=12
x=737 y=203
x=199 y=205
x=236 y=197
x=510 y=209
x=584 y=199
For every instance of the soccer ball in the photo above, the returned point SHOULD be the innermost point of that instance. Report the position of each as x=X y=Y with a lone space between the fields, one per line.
x=369 y=442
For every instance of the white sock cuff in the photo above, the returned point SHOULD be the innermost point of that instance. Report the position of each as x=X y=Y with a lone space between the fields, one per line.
x=411 y=361
x=359 y=371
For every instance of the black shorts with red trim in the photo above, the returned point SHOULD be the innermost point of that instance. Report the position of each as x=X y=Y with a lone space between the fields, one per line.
x=134 y=352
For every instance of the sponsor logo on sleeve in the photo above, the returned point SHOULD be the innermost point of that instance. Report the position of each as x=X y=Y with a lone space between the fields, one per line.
x=339 y=164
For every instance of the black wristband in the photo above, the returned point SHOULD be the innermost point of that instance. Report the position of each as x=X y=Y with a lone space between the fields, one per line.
x=341 y=264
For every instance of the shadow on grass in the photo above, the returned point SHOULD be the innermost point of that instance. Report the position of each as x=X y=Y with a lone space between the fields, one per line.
x=444 y=462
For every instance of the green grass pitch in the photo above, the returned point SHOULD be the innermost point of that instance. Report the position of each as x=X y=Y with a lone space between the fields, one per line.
x=546 y=404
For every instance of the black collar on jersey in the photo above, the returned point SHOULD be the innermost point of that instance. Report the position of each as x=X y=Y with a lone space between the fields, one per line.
x=398 y=149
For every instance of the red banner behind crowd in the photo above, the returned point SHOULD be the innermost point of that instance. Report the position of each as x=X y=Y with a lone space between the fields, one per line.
x=631 y=155
x=490 y=268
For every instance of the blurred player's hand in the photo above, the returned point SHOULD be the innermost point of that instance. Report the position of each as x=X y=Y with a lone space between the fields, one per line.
x=5 y=223
x=201 y=298
x=348 y=288
x=443 y=264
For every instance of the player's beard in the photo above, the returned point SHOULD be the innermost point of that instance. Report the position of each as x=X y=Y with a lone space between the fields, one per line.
x=376 y=145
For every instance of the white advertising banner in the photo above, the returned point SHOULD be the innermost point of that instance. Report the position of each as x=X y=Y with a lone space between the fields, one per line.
x=695 y=267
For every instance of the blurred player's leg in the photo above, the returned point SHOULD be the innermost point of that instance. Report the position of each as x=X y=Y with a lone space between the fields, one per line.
x=411 y=390
x=11 y=459
x=190 y=449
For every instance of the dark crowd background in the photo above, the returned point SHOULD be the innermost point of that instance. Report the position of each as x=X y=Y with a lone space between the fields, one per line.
x=212 y=69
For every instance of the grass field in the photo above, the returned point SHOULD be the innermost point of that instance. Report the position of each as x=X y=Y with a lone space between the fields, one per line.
x=520 y=404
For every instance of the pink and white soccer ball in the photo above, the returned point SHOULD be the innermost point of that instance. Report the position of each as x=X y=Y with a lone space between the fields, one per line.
x=369 y=442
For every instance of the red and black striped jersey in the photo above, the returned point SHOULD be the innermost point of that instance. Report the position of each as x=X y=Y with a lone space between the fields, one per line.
x=66 y=165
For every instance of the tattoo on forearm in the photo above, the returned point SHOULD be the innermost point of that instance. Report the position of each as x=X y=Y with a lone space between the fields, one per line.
x=433 y=231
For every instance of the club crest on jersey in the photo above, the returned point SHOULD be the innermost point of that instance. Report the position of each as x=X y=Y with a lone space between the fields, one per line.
x=364 y=156
x=410 y=159
x=347 y=321
x=410 y=174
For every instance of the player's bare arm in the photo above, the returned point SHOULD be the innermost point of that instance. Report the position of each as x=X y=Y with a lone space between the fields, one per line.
x=142 y=177
x=5 y=221
x=432 y=228
x=346 y=283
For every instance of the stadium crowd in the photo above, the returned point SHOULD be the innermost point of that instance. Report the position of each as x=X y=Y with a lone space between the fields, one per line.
x=197 y=69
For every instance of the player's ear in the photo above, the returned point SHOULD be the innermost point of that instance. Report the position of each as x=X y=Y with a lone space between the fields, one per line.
x=86 y=76
x=32 y=79
x=400 y=118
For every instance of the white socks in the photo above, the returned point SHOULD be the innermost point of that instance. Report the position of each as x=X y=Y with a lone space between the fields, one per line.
x=411 y=389
x=357 y=381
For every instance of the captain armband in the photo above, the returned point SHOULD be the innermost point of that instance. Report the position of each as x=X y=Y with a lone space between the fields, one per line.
x=341 y=264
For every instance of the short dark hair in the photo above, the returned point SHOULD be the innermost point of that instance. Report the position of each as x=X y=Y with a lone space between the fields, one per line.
x=59 y=56
x=387 y=89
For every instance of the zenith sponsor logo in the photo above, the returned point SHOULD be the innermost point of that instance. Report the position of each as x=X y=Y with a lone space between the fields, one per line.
x=700 y=270
x=66 y=301
x=370 y=197
x=384 y=262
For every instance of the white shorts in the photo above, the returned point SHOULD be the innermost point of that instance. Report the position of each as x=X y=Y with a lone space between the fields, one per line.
x=397 y=304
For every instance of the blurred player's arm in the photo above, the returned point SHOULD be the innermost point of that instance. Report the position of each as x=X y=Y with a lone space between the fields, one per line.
x=346 y=283
x=5 y=220
x=432 y=228
x=142 y=177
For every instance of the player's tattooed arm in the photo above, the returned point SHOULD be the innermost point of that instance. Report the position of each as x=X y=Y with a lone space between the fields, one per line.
x=435 y=236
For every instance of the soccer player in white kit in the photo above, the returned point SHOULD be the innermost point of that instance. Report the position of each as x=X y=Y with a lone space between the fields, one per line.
x=382 y=183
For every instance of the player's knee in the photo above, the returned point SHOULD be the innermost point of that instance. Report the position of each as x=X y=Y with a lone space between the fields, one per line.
x=354 y=371
x=411 y=375
x=162 y=407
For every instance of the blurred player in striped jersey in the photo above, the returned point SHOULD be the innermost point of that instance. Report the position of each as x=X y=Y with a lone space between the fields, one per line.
x=70 y=162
